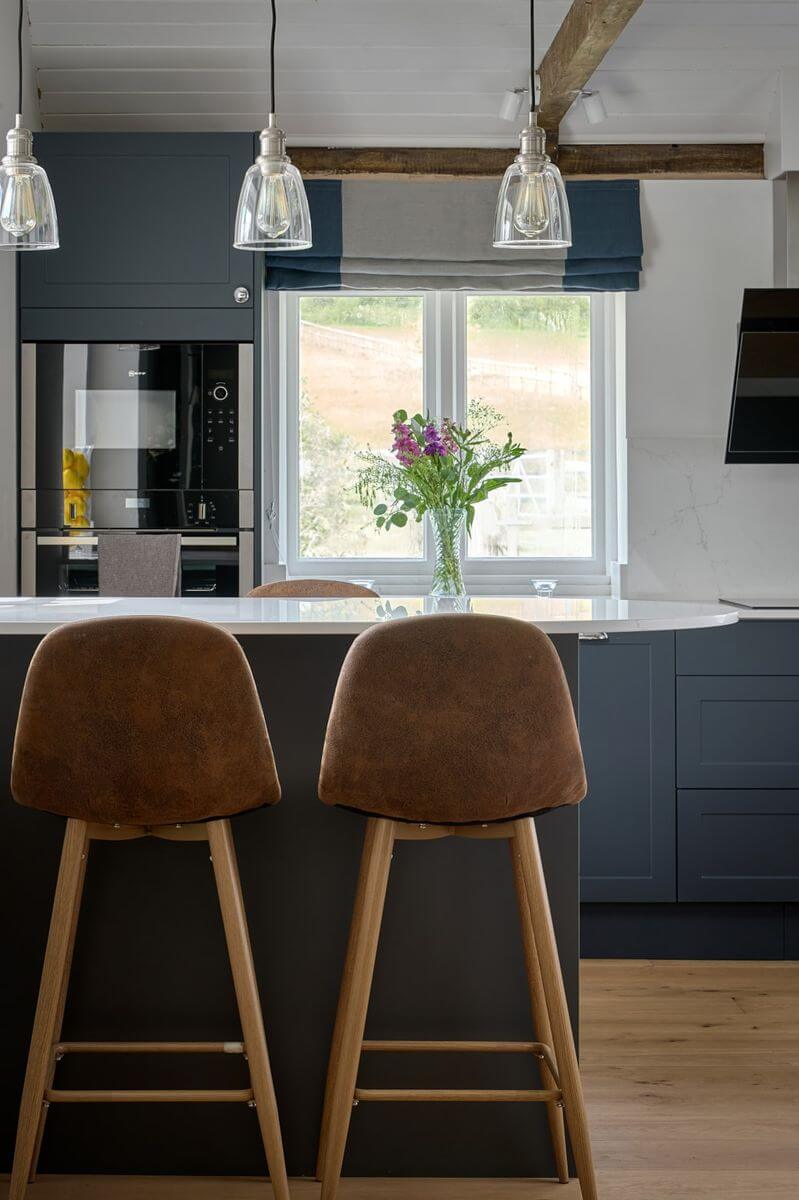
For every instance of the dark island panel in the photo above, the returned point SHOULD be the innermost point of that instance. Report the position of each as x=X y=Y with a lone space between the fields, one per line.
x=150 y=963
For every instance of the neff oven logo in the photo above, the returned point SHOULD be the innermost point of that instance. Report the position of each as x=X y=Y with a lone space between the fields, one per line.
x=133 y=374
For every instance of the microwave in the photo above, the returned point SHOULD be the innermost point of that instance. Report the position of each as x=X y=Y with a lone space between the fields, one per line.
x=136 y=417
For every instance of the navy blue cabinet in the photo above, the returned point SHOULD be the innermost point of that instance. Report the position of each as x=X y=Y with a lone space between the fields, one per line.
x=739 y=845
x=146 y=222
x=738 y=731
x=628 y=820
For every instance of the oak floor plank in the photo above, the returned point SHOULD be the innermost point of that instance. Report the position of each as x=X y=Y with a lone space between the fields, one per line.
x=691 y=1074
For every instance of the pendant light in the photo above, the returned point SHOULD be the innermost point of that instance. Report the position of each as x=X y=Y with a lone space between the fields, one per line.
x=273 y=211
x=27 y=209
x=532 y=209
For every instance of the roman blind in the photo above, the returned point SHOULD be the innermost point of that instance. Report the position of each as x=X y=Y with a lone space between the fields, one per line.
x=394 y=234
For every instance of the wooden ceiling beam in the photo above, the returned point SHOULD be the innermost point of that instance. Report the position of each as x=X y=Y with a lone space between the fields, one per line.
x=683 y=161
x=589 y=29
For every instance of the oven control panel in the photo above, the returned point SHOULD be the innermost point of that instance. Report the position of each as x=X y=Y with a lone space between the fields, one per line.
x=220 y=424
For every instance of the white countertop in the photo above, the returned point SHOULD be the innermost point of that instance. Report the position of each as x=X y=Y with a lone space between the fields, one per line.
x=247 y=616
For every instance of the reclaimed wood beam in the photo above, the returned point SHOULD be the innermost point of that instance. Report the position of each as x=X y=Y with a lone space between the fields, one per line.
x=658 y=161
x=589 y=29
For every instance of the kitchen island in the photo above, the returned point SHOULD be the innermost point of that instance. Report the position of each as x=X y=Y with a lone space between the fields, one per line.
x=150 y=960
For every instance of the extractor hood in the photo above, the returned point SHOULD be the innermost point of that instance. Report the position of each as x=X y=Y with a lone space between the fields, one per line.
x=764 y=419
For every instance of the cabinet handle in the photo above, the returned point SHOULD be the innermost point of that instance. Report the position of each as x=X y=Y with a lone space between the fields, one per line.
x=241 y=295
x=592 y=637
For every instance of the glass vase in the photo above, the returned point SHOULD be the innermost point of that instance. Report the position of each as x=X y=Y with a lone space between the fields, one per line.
x=447 y=525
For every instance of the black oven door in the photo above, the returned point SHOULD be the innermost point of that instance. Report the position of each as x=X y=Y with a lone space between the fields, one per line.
x=115 y=416
x=58 y=565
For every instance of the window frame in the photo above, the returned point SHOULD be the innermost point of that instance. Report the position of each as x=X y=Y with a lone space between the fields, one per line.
x=444 y=391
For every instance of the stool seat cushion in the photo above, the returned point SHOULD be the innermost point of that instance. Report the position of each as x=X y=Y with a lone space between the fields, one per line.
x=452 y=719
x=143 y=721
x=312 y=589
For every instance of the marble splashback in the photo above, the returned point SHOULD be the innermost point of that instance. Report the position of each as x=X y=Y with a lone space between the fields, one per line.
x=699 y=529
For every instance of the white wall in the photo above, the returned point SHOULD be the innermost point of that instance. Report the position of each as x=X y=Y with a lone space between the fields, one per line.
x=698 y=528
x=8 y=321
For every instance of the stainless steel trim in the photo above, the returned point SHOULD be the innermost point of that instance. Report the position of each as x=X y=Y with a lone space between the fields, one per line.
x=27 y=432
x=246 y=443
x=190 y=540
x=27 y=574
x=27 y=509
x=246 y=509
x=83 y=540
x=246 y=561
x=46 y=540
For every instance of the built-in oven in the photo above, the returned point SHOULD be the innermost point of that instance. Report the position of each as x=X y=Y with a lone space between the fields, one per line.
x=58 y=564
x=140 y=417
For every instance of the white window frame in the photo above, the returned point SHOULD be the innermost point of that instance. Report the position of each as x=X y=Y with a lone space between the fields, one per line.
x=444 y=393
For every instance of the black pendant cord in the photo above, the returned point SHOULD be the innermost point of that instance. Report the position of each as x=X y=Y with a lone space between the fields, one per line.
x=272 y=57
x=532 y=57
x=19 y=47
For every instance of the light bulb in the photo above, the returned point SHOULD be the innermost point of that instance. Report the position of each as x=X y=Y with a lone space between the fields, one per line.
x=18 y=209
x=531 y=208
x=272 y=211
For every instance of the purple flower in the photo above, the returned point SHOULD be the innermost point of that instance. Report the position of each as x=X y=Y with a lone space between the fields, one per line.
x=405 y=445
x=434 y=444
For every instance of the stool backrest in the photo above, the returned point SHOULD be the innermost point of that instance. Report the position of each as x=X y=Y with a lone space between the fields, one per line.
x=143 y=721
x=311 y=589
x=138 y=564
x=453 y=718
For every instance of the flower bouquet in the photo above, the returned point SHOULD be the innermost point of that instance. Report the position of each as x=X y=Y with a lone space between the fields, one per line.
x=442 y=469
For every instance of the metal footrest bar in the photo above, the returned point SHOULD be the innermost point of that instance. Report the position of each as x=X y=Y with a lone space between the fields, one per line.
x=148 y=1048
x=461 y=1094
x=145 y=1096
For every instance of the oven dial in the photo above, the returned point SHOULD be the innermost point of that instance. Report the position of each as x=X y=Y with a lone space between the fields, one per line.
x=220 y=392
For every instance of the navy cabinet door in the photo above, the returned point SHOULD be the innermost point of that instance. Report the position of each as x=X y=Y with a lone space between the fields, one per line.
x=739 y=845
x=145 y=221
x=628 y=820
x=738 y=731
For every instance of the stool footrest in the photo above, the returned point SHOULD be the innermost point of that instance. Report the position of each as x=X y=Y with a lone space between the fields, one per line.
x=145 y=1096
x=148 y=1048
x=468 y=1047
x=475 y=1095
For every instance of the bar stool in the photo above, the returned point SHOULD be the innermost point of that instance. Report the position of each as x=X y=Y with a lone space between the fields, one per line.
x=168 y=741
x=454 y=725
x=312 y=589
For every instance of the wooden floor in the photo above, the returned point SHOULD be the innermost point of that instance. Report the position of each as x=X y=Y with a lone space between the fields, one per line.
x=692 y=1082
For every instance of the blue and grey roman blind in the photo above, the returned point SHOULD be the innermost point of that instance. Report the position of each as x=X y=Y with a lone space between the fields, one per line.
x=376 y=234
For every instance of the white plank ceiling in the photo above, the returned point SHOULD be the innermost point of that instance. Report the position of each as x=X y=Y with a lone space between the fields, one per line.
x=401 y=72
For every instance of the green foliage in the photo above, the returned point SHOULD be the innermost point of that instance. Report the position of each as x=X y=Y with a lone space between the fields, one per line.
x=546 y=314
x=375 y=311
x=330 y=510
x=472 y=467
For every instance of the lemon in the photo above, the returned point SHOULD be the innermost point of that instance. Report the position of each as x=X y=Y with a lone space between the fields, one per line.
x=68 y=457
x=72 y=479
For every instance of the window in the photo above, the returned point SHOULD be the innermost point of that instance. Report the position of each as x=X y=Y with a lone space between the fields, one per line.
x=349 y=360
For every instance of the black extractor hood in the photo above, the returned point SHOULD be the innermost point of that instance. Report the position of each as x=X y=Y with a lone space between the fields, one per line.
x=764 y=419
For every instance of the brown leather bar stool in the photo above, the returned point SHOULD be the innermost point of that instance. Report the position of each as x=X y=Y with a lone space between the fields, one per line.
x=484 y=703
x=312 y=589
x=168 y=741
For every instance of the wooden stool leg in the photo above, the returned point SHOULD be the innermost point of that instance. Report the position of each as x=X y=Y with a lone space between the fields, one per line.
x=359 y=915
x=354 y=998
x=541 y=1021
x=49 y=1006
x=525 y=842
x=59 y=1021
x=223 y=855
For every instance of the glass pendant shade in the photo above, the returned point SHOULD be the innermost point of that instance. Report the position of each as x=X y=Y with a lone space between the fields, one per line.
x=27 y=210
x=273 y=211
x=532 y=209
